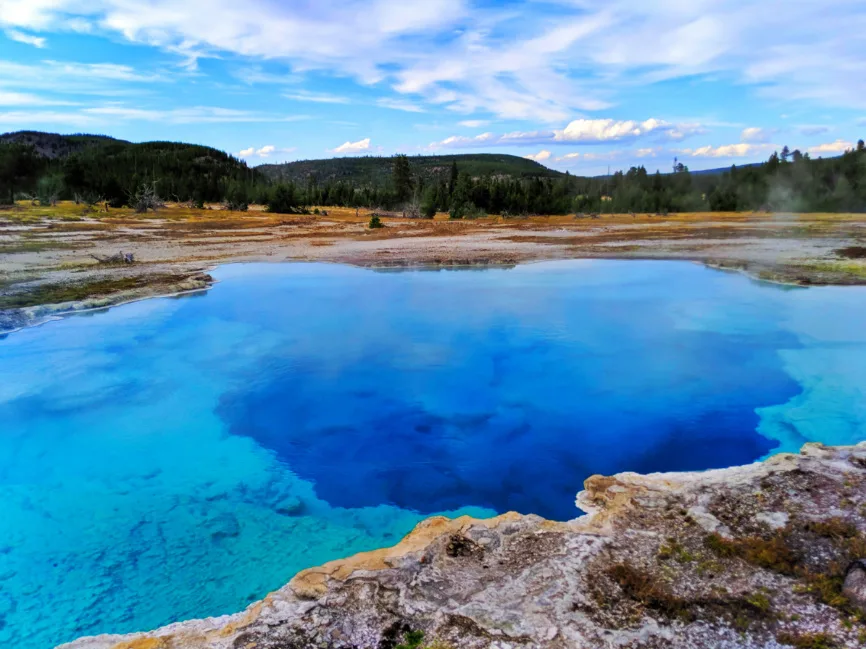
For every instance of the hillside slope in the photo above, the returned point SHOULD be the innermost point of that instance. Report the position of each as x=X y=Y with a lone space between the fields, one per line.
x=377 y=170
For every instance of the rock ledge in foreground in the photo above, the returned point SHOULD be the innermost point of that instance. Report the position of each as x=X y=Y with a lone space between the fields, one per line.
x=747 y=557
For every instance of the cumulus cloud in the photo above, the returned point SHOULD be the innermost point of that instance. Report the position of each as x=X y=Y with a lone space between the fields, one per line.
x=541 y=156
x=263 y=152
x=27 y=39
x=353 y=147
x=462 y=141
x=833 y=148
x=605 y=130
x=647 y=153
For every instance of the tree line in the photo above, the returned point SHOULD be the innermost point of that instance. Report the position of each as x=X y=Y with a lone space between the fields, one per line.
x=117 y=172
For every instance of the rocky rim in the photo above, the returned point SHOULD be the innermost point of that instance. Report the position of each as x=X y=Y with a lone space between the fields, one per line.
x=765 y=556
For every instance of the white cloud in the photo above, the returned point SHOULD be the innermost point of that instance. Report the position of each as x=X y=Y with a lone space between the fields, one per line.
x=246 y=153
x=568 y=156
x=27 y=99
x=27 y=39
x=113 y=113
x=541 y=156
x=606 y=130
x=31 y=118
x=353 y=147
x=474 y=123
x=72 y=78
x=527 y=60
x=316 y=97
x=741 y=150
x=462 y=141
x=647 y=153
x=757 y=135
x=833 y=148
x=195 y=115
x=399 y=104
x=580 y=131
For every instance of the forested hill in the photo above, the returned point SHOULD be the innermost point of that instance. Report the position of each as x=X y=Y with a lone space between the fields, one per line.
x=113 y=169
x=49 y=167
x=376 y=171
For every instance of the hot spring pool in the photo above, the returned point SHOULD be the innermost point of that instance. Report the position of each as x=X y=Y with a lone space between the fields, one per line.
x=181 y=457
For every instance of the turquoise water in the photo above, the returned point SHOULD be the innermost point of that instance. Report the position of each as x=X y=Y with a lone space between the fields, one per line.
x=181 y=457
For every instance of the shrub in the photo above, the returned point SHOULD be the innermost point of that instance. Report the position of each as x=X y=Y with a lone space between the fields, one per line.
x=375 y=222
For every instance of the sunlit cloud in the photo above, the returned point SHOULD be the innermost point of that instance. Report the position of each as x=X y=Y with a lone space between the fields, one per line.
x=353 y=147
x=541 y=156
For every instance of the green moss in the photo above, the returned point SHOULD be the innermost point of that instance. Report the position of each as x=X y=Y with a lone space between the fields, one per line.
x=411 y=640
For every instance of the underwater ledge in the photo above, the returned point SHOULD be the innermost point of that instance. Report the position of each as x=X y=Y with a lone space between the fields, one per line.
x=765 y=555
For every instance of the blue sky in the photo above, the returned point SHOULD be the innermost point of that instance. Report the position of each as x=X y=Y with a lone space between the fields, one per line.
x=576 y=84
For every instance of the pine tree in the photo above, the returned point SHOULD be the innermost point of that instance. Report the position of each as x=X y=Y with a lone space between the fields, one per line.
x=401 y=174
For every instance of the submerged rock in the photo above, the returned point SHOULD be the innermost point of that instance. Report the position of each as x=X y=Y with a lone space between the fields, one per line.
x=742 y=557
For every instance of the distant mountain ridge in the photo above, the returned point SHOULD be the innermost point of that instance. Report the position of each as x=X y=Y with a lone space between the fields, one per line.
x=371 y=170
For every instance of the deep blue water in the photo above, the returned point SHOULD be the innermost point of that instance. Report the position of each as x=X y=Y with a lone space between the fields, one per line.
x=181 y=457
